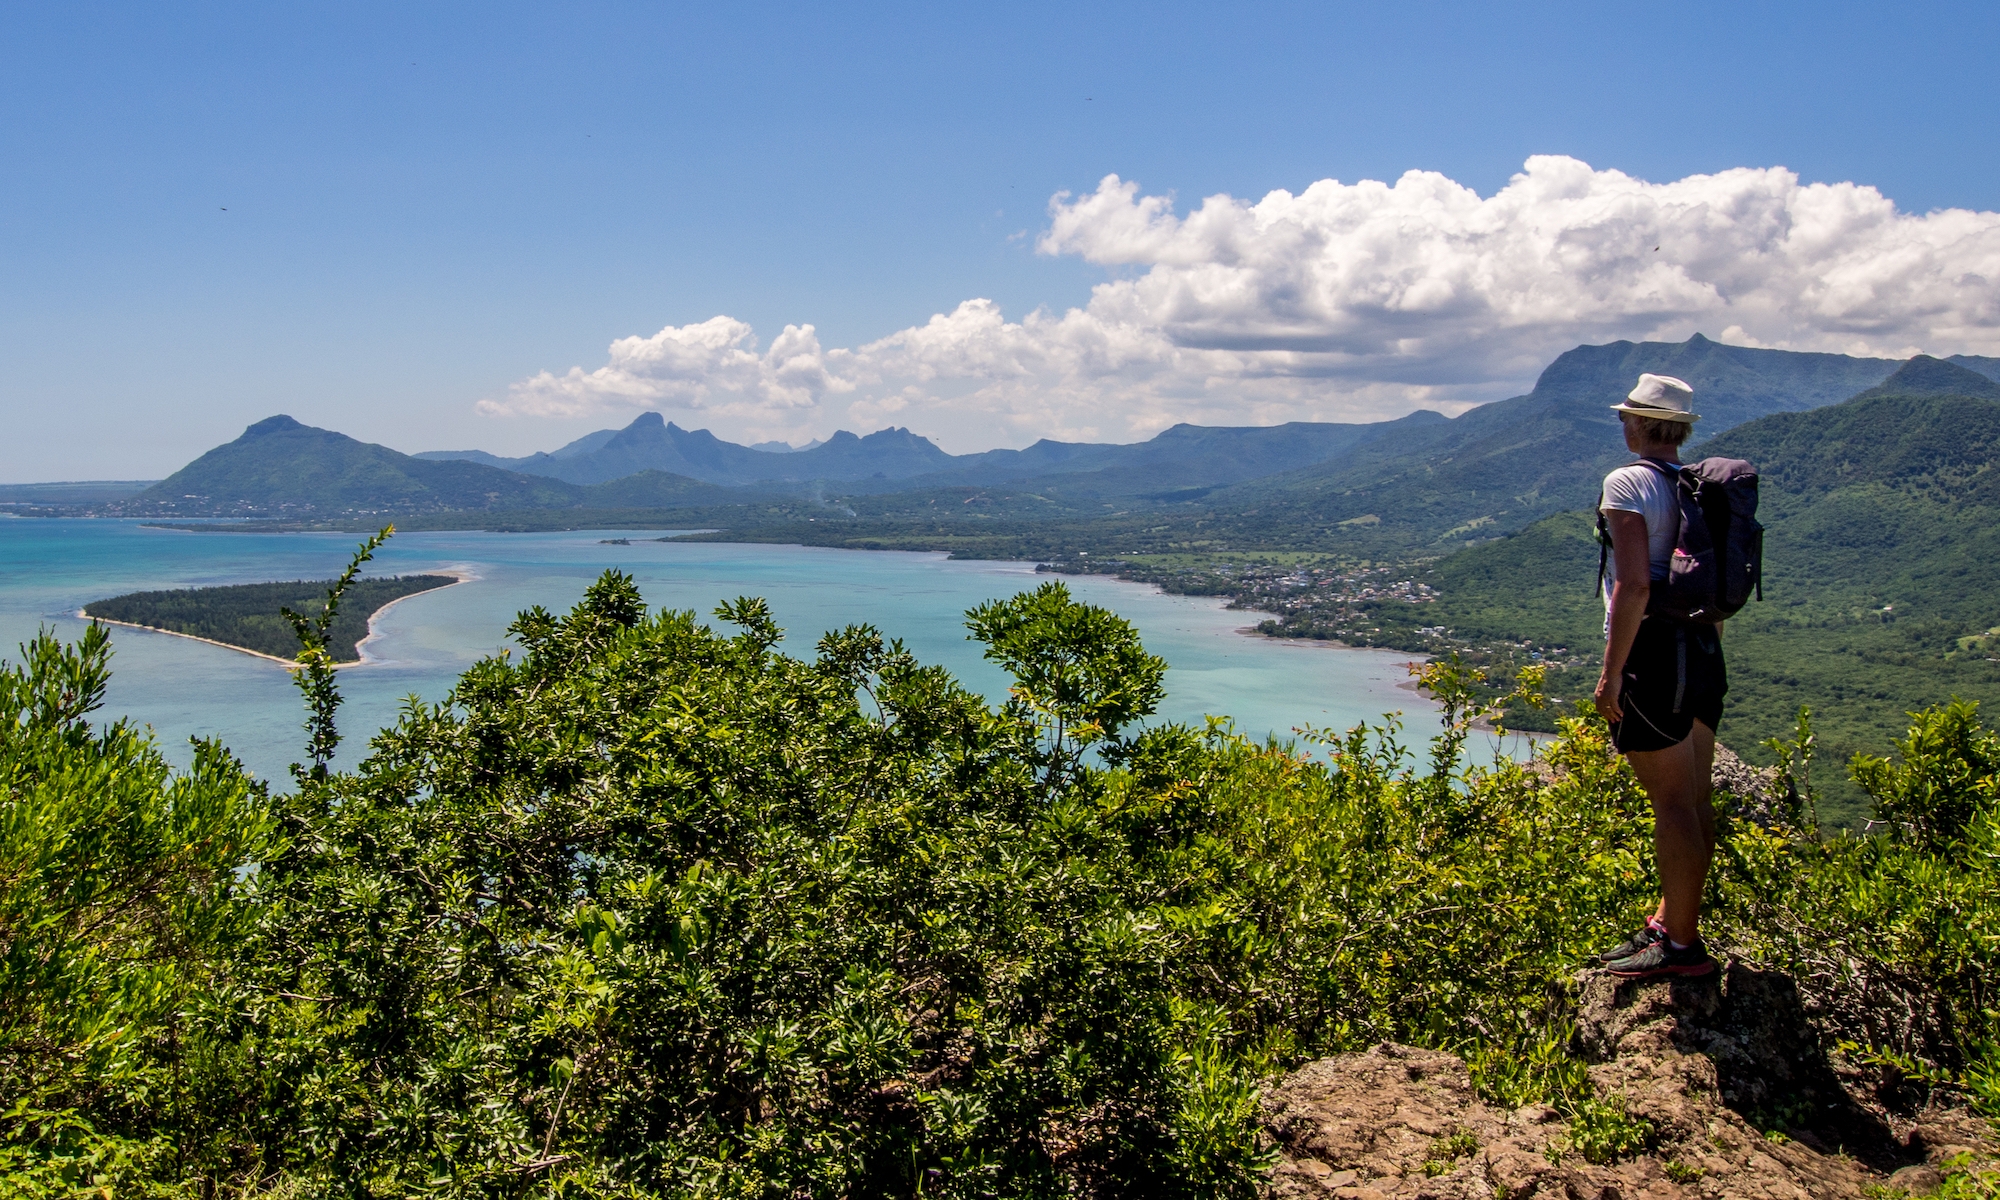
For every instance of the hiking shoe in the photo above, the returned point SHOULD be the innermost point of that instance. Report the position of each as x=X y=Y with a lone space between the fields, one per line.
x=1660 y=960
x=1652 y=931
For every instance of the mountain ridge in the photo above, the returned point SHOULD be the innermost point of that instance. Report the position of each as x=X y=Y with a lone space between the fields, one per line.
x=1412 y=484
x=1752 y=382
x=1504 y=465
x=652 y=443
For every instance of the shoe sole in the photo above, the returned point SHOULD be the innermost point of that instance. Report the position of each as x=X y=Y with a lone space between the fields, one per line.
x=1687 y=972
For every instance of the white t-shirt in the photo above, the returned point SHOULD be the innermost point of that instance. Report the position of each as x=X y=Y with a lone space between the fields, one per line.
x=1644 y=490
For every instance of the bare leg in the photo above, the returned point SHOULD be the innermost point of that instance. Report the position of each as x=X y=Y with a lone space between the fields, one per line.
x=1677 y=782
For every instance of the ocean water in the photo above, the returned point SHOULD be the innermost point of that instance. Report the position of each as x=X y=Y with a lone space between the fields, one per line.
x=183 y=688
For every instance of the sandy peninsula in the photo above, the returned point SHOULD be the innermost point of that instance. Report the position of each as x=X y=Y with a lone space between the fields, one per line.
x=458 y=574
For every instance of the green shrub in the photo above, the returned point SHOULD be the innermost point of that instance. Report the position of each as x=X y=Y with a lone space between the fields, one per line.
x=121 y=906
x=656 y=910
x=1965 y=1181
x=1445 y=1151
x=1945 y=782
x=1602 y=1131
x=1894 y=937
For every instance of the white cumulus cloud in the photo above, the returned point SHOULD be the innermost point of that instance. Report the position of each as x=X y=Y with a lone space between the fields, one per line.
x=1348 y=301
x=713 y=365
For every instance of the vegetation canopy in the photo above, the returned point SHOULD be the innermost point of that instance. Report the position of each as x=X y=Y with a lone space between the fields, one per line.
x=654 y=909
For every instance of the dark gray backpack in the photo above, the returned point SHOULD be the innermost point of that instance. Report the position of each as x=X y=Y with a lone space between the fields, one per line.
x=1718 y=558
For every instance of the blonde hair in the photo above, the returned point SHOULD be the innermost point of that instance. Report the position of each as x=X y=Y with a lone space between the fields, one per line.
x=1657 y=429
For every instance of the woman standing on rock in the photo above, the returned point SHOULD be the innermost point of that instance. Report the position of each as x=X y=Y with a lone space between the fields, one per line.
x=1663 y=680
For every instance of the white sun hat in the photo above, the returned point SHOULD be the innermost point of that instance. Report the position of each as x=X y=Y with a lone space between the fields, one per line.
x=1661 y=397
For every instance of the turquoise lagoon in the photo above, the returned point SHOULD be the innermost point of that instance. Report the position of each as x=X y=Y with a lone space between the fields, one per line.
x=184 y=688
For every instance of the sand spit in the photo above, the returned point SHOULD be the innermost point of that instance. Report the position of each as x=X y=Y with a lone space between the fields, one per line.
x=461 y=574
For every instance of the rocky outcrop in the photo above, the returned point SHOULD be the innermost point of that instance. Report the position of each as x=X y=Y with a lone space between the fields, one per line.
x=1727 y=1073
x=1753 y=794
x=1759 y=796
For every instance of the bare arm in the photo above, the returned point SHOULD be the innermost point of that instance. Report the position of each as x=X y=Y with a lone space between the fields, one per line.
x=1629 y=594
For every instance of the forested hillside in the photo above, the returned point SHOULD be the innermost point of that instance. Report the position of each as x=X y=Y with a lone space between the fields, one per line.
x=279 y=467
x=1882 y=561
x=1502 y=466
x=1884 y=557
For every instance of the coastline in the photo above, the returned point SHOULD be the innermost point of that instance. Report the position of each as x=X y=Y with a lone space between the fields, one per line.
x=283 y=662
x=1219 y=606
x=1250 y=631
x=1481 y=725
x=1321 y=643
x=458 y=574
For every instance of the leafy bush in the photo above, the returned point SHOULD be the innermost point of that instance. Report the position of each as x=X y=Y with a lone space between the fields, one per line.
x=1602 y=1131
x=121 y=898
x=1966 y=1181
x=658 y=910
x=1894 y=938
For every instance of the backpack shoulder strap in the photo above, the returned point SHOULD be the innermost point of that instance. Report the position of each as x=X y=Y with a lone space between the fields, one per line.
x=1603 y=544
x=1672 y=472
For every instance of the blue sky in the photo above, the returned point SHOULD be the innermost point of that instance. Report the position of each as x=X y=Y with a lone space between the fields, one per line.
x=428 y=206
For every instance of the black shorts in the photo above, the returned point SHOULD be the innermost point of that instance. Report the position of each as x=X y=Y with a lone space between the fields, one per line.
x=1673 y=678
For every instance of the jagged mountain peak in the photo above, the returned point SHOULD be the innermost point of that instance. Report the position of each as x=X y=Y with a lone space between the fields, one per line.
x=904 y=441
x=646 y=427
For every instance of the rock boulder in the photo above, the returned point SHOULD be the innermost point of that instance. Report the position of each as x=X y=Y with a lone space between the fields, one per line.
x=1727 y=1071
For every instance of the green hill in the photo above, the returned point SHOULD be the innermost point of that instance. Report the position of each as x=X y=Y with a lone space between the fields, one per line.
x=658 y=489
x=1883 y=556
x=249 y=616
x=1882 y=560
x=281 y=468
